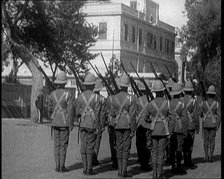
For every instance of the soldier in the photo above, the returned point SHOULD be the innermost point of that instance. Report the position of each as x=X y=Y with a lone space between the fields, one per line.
x=97 y=89
x=88 y=110
x=123 y=113
x=59 y=108
x=191 y=106
x=157 y=112
x=143 y=132
x=210 y=113
x=178 y=129
x=40 y=106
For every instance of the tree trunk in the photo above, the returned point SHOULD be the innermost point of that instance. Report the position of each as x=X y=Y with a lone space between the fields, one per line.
x=37 y=78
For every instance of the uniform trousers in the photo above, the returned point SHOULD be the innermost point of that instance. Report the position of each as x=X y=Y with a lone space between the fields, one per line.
x=158 y=149
x=188 y=146
x=123 y=143
x=112 y=141
x=61 y=138
x=88 y=140
x=143 y=144
x=97 y=145
x=209 y=141
x=176 y=147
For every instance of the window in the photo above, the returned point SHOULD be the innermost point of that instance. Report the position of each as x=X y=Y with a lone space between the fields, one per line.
x=133 y=34
x=172 y=47
x=161 y=44
x=154 y=45
x=133 y=4
x=102 y=30
x=126 y=32
x=149 y=39
x=140 y=36
x=167 y=45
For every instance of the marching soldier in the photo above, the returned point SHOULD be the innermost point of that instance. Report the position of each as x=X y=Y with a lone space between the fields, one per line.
x=210 y=113
x=88 y=107
x=191 y=107
x=143 y=132
x=59 y=104
x=178 y=129
x=157 y=113
x=123 y=115
x=98 y=87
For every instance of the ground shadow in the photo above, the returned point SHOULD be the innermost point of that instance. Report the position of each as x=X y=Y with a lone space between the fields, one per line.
x=202 y=159
x=170 y=174
x=75 y=166
x=137 y=170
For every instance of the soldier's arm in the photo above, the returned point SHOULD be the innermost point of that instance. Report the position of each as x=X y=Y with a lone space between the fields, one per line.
x=218 y=116
x=196 y=117
x=50 y=105
x=97 y=110
x=103 y=114
x=71 y=111
x=147 y=115
x=133 y=113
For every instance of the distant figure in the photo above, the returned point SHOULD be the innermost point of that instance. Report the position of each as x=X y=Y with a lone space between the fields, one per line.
x=39 y=105
x=59 y=107
x=210 y=113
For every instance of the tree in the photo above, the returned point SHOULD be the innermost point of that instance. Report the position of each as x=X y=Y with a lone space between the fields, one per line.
x=202 y=37
x=55 y=32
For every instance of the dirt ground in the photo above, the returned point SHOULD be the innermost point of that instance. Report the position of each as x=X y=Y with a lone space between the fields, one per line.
x=27 y=153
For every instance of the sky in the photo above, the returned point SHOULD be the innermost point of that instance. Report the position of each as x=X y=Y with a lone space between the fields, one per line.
x=170 y=11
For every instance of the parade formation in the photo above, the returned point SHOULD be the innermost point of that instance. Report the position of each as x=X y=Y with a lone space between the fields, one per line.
x=165 y=119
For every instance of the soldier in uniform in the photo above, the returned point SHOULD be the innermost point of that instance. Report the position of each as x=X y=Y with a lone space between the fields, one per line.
x=87 y=109
x=143 y=132
x=98 y=87
x=210 y=113
x=124 y=107
x=191 y=107
x=157 y=113
x=59 y=108
x=178 y=128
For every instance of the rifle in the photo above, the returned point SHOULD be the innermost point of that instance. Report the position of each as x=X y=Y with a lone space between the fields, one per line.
x=201 y=83
x=157 y=77
x=145 y=84
x=111 y=75
x=109 y=90
x=174 y=79
x=133 y=83
x=78 y=83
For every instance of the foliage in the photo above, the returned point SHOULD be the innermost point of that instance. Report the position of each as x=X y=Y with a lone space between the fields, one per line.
x=201 y=39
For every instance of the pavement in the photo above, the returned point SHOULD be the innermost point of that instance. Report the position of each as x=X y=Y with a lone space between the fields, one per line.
x=27 y=153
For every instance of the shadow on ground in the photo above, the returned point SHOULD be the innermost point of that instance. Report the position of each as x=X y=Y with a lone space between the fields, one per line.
x=202 y=160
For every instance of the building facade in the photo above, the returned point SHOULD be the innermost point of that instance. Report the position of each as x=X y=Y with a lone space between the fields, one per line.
x=132 y=31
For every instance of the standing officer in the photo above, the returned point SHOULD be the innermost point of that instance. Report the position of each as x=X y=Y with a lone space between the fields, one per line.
x=59 y=108
x=191 y=107
x=210 y=113
x=97 y=89
x=123 y=113
x=179 y=128
x=88 y=110
x=143 y=132
x=157 y=113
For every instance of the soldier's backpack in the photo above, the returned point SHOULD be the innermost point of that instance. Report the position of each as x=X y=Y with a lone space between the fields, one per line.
x=209 y=114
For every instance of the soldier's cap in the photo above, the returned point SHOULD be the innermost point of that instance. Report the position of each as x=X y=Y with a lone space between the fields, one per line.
x=98 y=85
x=90 y=79
x=61 y=78
x=170 y=82
x=157 y=86
x=124 y=81
x=188 y=86
x=141 y=85
x=211 y=90
x=176 y=89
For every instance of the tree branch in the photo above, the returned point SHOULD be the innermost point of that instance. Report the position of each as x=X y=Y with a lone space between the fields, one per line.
x=21 y=13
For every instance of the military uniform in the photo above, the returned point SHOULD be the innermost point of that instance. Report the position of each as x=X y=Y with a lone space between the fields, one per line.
x=143 y=132
x=191 y=107
x=157 y=113
x=210 y=113
x=59 y=107
x=98 y=87
x=178 y=128
x=88 y=107
x=124 y=120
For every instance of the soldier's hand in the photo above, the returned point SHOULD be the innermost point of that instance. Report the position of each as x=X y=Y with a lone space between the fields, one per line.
x=132 y=134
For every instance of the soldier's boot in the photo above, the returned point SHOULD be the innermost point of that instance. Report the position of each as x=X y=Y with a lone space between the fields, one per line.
x=124 y=169
x=154 y=169
x=179 y=169
x=191 y=164
x=57 y=161
x=90 y=170
x=212 y=148
x=84 y=163
x=206 y=152
x=119 y=162
x=95 y=161
x=62 y=163
x=159 y=172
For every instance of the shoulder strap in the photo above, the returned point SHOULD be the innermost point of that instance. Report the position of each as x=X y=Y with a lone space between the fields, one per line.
x=121 y=105
x=143 y=108
x=87 y=103
x=209 y=108
x=159 y=113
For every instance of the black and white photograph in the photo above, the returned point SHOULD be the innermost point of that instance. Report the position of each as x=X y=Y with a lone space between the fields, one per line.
x=111 y=89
